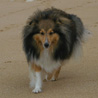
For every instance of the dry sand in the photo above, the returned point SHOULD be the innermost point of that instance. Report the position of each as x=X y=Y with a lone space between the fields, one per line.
x=76 y=80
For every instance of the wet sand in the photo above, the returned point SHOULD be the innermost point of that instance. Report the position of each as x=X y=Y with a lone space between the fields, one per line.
x=78 y=79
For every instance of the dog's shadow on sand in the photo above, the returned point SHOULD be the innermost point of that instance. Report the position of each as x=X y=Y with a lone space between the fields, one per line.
x=21 y=83
x=65 y=81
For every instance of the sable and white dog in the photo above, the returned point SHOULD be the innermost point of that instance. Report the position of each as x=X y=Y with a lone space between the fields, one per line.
x=50 y=37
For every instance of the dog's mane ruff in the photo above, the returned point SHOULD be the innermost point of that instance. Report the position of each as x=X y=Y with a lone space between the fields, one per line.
x=29 y=44
x=69 y=27
x=52 y=14
x=82 y=35
x=67 y=33
x=32 y=28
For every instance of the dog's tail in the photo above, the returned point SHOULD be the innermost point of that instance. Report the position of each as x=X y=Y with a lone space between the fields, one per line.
x=82 y=35
x=82 y=32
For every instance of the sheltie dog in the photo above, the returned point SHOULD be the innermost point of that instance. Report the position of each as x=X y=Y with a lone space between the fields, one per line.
x=50 y=37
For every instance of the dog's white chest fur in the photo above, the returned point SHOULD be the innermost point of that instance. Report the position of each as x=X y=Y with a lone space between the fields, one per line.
x=46 y=62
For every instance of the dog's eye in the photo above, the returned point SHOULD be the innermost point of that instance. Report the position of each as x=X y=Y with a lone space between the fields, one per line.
x=42 y=33
x=50 y=33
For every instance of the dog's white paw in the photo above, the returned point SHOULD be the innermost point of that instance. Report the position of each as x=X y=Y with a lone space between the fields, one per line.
x=37 y=90
x=53 y=79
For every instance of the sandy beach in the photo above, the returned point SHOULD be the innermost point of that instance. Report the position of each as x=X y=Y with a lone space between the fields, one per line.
x=78 y=79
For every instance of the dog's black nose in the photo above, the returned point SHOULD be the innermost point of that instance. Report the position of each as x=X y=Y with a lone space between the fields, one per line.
x=46 y=45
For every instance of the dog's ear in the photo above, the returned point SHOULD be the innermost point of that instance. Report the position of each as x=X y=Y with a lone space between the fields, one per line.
x=30 y=22
x=63 y=20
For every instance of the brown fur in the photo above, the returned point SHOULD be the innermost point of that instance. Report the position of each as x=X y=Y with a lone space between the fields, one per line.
x=54 y=74
x=46 y=27
x=40 y=39
x=46 y=24
x=36 y=68
x=64 y=20
x=54 y=33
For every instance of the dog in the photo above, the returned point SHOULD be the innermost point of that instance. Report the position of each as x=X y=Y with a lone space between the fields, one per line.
x=50 y=38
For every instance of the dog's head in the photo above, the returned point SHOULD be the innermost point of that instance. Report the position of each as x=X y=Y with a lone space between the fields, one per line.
x=46 y=37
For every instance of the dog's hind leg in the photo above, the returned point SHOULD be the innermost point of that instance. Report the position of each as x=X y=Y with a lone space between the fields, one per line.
x=54 y=75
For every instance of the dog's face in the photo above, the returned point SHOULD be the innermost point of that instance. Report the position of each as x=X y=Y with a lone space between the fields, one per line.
x=46 y=37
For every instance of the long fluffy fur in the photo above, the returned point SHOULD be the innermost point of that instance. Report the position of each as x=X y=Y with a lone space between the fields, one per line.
x=70 y=33
x=70 y=30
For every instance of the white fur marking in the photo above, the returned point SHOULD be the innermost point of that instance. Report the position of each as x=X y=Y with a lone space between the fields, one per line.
x=86 y=35
x=46 y=62
x=38 y=84
x=77 y=51
x=46 y=76
x=32 y=77
x=53 y=78
x=46 y=41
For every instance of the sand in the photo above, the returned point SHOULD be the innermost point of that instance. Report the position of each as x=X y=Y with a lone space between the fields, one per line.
x=78 y=79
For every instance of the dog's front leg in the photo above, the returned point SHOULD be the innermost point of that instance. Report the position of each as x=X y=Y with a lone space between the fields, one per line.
x=36 y=80
x=38 y=83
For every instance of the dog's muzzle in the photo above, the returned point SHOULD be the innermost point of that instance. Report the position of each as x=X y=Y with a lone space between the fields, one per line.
x=46 y=45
